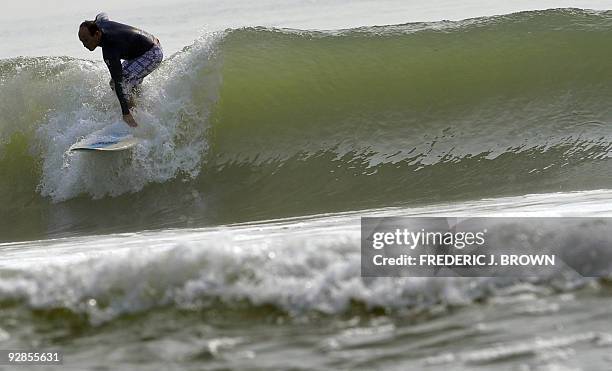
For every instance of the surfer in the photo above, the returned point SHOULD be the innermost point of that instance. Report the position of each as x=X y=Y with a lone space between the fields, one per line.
x=140 y=51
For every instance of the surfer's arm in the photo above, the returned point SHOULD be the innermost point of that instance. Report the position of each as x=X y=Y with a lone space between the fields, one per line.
x=114 y=66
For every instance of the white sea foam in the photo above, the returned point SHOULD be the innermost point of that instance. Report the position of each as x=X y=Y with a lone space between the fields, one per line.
x=296 y=265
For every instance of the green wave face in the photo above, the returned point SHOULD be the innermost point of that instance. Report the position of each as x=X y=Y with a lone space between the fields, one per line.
x=365 y=88
x=262 y=123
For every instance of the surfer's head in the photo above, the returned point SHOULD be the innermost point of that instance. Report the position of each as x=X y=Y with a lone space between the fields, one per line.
x=90 y=34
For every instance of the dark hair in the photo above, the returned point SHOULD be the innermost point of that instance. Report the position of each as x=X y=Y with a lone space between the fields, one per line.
x=91 y=26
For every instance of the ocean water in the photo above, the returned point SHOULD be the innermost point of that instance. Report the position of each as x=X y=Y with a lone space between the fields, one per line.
x=229 y=239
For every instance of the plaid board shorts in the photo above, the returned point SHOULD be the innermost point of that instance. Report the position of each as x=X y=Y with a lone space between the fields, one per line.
x=135 y=70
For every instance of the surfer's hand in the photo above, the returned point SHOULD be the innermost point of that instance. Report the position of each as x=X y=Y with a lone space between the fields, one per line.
x=130 y=120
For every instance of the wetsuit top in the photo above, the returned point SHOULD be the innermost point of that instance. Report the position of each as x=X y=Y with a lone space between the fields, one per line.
x=120 y=41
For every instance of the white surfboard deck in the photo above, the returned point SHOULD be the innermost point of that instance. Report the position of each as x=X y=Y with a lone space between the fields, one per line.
x=112 y=138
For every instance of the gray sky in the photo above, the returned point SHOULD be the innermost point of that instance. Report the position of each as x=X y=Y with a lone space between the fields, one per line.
x=49 y=27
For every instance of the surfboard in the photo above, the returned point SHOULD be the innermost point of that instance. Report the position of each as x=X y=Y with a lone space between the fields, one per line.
x=109 y=139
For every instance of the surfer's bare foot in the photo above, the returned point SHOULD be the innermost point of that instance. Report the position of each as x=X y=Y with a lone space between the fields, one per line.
x=130 y=120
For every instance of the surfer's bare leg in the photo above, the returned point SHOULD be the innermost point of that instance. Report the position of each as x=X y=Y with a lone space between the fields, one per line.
x=134 y=93
x=131 y=102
